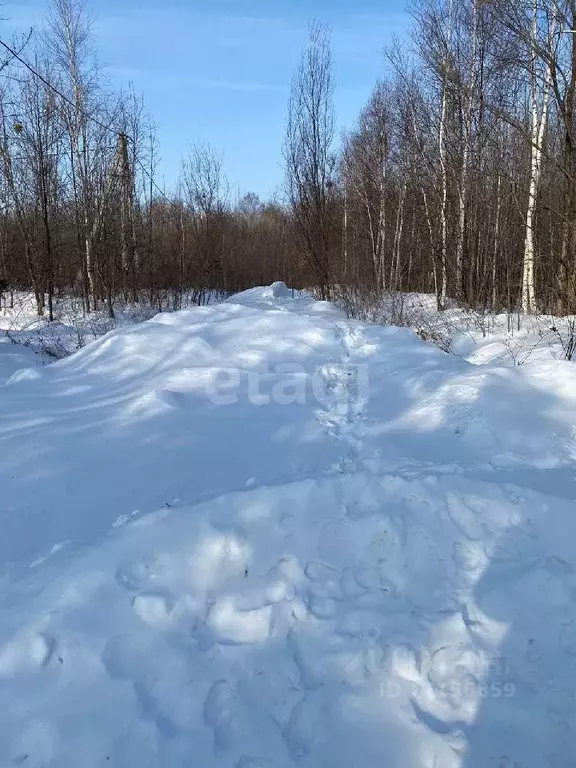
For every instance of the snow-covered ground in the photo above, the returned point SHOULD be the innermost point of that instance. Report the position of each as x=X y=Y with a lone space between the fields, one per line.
x=259 y=535
x=13 y=357
x=509 y=339
x=72 y=327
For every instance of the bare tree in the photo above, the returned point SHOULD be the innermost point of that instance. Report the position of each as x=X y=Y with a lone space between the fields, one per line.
x=88 y=124
x=307 y=154
x=366 y=164
x=205 y=193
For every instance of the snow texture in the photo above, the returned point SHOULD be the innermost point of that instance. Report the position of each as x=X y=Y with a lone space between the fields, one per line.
x=14 y=357
x=259 y=535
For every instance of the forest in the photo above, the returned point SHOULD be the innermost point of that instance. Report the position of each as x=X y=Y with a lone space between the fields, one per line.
x=458 y=178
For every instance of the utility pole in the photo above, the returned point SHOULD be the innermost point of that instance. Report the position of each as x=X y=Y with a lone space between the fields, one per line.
x=126 y=178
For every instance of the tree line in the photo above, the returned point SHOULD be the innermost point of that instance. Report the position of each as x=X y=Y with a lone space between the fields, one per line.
x=458 y=179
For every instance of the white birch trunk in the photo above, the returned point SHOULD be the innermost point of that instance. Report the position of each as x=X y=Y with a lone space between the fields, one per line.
x=463 y=188
x=539 y=119
x=443 y=285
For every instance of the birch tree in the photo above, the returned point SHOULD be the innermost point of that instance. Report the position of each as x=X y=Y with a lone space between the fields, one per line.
x=539 y=103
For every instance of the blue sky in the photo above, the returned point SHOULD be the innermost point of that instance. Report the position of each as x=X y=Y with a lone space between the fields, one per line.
x=219 y=70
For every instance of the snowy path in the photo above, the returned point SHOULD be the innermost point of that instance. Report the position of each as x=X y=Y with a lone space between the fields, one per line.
x=379 y=573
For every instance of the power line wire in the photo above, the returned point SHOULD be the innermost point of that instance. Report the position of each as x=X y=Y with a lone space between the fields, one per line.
x=48 y=84
x=87 y=115
x=151 y=178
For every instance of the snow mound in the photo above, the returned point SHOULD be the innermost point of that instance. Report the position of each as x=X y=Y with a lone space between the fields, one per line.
x=275 y=296
x=17 y=360
x=258 y=535
x=280 y=290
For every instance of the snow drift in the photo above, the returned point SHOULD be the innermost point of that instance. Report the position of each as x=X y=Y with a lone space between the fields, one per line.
x=15 y=357
x=257 y=535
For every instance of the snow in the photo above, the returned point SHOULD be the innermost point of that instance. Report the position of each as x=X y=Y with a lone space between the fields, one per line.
x=14 y=357
x=479 y=337
x=259 y=535
x=73 y=328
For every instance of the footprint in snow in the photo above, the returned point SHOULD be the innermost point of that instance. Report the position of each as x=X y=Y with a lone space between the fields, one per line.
x=153 y=609
x=135 y=575
x=231 y=626
x=321 y=607
x=170 y=700
x=124 y=656
x=220 y=714
x=306 y=727
x=316 y=571
x=26 y=654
